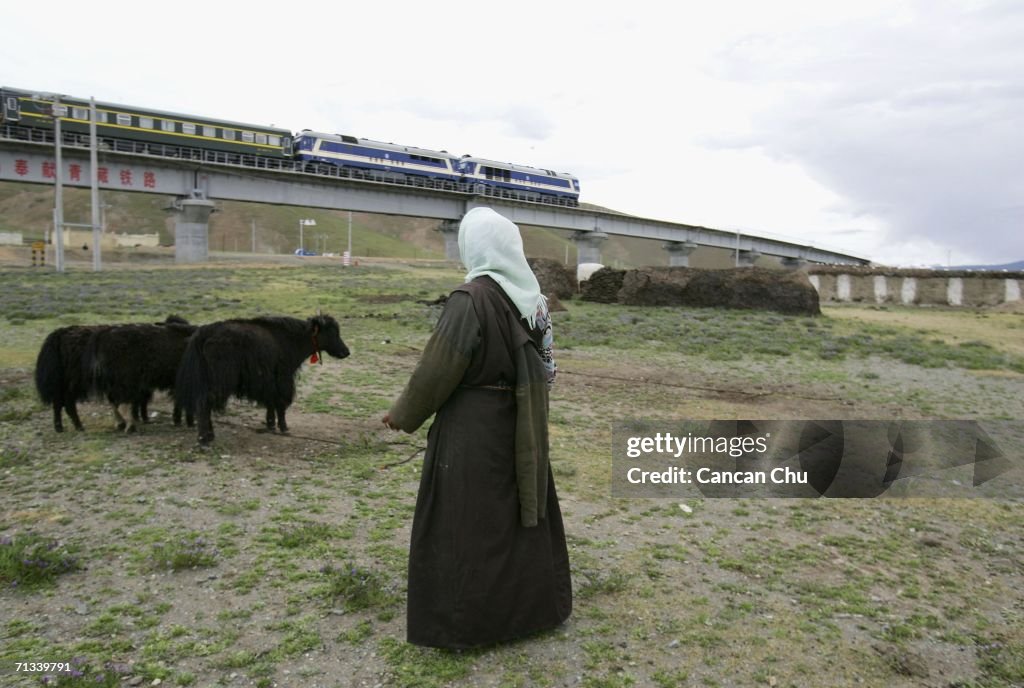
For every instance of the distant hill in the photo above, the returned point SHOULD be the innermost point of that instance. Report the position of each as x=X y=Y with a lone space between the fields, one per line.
x=28 y=208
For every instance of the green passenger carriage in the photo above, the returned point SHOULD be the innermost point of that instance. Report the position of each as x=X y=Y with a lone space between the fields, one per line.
x=160 y=133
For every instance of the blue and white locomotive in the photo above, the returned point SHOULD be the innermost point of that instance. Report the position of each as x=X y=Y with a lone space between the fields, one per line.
x=366 y=154
x=518 y=178
x=29 y=116
x=484 y=176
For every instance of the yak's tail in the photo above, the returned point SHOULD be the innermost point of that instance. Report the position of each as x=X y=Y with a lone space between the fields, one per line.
x=95 y=375
x=49 y=369
x=192 y=380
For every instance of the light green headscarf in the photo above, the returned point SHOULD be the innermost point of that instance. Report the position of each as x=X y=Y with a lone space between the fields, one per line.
x=489 y=244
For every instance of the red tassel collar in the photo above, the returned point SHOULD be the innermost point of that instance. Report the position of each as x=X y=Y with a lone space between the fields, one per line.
x=316 y=352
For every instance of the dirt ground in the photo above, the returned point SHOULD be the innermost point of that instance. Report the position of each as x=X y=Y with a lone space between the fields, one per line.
x=691 y=591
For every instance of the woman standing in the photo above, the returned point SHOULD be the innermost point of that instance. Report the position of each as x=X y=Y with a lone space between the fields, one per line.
x=487 y=559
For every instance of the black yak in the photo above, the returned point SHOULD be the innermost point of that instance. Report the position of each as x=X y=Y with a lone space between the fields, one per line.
x=255 y=359
x=60 y=378
x=127 y=363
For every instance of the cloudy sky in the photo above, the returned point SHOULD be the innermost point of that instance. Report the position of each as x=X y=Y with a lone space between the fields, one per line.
x=888 y=129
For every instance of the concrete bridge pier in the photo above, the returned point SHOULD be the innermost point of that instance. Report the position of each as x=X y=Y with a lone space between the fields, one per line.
x=192 y=228
x=588 y=246
x=794 y=263
x=747 y=258
x=450 y=231
x=679 y=253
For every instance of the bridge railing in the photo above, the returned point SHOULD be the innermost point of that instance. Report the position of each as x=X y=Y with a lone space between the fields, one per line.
x=107 y=144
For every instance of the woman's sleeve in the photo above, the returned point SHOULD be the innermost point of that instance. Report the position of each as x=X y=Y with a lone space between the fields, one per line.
x=547 y=344
x=440 y=369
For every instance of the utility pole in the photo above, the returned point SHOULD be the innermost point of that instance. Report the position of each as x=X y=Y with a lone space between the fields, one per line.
x=58 y=195
x=94 y=186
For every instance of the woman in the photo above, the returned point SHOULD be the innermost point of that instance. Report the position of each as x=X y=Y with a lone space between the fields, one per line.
x=487 y=558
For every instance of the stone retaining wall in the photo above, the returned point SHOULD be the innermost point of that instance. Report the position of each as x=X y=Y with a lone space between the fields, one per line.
x=915 y=287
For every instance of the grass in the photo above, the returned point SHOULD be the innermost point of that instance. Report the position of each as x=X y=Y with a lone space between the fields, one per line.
x=189 y=552
x=357 y=588
x=417 y=667
x=82 y=672
x=726 y=335
x=31 y=560
x=271 y=554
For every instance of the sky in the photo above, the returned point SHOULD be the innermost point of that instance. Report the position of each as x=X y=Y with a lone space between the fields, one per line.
x=890 y=130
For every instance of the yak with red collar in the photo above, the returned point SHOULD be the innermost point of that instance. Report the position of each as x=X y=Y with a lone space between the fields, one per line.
x=254 y=359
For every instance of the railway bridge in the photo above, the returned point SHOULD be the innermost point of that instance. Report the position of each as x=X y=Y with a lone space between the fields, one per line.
x=195 y=179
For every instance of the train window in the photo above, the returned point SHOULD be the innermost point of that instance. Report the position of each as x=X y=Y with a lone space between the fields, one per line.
x=261 y=138
x=124 y=120
x=188 y=128
x=167 y=125
x=228 y=134
x=211 y=132
x=248 y=136
x=496 y=173
x=274 y=140
x=60 y=110
x=146 y=122
x=80 y=113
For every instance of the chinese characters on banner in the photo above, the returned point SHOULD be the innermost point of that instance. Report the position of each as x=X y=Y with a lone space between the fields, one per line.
x=75 y=173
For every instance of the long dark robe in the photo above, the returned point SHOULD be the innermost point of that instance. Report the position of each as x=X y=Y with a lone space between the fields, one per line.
x=477 y=574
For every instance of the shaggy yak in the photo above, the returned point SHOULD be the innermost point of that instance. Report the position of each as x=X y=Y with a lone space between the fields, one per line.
x=61 y=376
x=60 y=379
x=127 y=363
x=255 y=359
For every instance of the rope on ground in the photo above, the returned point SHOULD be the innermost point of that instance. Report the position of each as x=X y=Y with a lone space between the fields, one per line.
x=318 y=439
x=289 y=435
x=404 y=461
x=263 y=430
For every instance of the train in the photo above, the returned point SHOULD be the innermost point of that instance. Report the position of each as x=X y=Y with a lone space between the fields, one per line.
x=29 y=115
